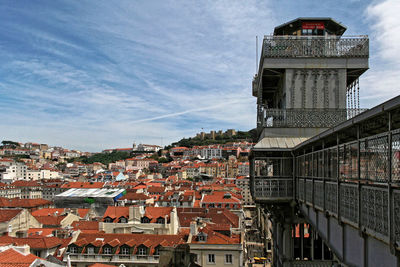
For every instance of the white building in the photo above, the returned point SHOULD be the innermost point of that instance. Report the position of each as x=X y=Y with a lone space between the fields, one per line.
x=16 y=171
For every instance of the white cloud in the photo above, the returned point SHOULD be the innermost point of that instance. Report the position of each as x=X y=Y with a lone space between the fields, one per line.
x=115 y=72
x=382 y=81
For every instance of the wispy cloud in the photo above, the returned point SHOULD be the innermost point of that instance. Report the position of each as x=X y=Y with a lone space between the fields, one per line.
x=95 y=76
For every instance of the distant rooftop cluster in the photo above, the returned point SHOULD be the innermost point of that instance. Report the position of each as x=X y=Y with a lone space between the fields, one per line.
x=150 y=206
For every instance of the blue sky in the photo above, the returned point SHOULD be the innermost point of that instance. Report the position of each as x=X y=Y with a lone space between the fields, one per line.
x=91 y=75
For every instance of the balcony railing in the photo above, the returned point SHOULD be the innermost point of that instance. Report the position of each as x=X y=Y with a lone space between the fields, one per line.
x=305 y=118
x=120 y=258
x=316 y=46
x=356 y=178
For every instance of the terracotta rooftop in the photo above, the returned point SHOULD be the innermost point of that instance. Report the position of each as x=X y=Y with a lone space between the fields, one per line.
x=83 y=185
x=214 y=237
x=41 y=231
x=35 y=242
x=7 y=214
x=156 y=189
x=135 y=196
x=132 y=240
x=101 y=265
x=21 y=183
x=23 y=203
x=85 y=226
x=14 y=258
x=156 y=212
x=115 y=213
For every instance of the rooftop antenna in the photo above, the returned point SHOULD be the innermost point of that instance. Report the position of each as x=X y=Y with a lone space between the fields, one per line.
x=256 y=53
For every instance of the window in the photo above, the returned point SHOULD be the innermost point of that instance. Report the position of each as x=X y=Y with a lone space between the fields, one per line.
x=73 y=249
x=90 y=250
x=142 y=251
x=125 y=250
x=211 y=258
x=228 y=258
x=160 y=220
x=108 y=220
x=157 y=250
x=107 y=250
x=145 y=220
x=123 y=220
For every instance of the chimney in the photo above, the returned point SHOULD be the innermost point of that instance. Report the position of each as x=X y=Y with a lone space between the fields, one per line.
x=193 y=228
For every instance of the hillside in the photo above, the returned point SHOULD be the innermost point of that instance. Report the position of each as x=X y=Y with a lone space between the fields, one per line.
x=250 y=136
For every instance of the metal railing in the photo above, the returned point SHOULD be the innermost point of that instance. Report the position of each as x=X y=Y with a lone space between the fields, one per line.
x=115 y=258
x=316 y=46
x=355 y=179
x=305 y=118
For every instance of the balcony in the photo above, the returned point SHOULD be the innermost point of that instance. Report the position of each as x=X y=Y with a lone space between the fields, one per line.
x=272 y=179
x=117 y=258
x=304 y=118
x=315 y=46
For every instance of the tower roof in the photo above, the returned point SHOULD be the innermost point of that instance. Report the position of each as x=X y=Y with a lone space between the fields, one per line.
x=329 y=24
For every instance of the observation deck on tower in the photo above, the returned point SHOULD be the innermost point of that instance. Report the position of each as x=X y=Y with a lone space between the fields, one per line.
x=322 y=163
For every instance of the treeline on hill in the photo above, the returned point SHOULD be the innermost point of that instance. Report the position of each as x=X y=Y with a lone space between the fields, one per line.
x=9 y=144
x=250 y=136
x=104 y=158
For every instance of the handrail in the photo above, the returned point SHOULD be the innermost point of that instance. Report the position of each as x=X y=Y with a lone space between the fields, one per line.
x=315 y=46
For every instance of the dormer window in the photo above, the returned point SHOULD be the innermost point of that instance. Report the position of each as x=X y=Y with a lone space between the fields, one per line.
x=107 y=250
x=160 y=220
x=145 y=220
x=157 y=250
x=73 y=250
x=142 y=250
x=90 y=250
x=108 y=220
x=202 y=237
x=125 y=251
x=123 y=220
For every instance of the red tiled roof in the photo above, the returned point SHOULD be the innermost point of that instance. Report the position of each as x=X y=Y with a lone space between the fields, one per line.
x=41 y=231
x=7 y=214
x=86 y=226
x=156 y=212
x=48 y=212
x=83 y=212
x=22 y=183
x=83 y=185
x=35 y=242
x=14 y=258
x=134 y=196
x=116 y=212
x=23 y=203
x=218 y=197
x=101 y=265
x=214 y=237
x=148 y=240
x=217 y=216
x=156 y=189
x=50 y=220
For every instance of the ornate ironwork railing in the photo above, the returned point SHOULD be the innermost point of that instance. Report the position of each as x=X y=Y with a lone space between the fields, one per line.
x=316 y=46
x=351 y=173
x=273 y=188
x=306 y=118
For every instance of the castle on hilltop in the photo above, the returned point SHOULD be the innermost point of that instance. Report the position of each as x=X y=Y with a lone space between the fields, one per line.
x=213 y=134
